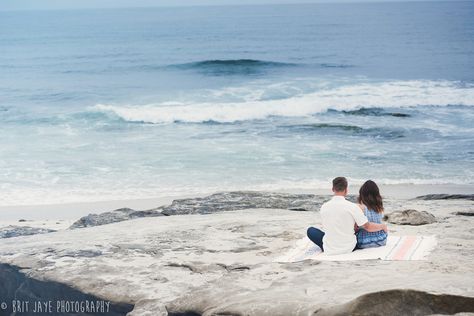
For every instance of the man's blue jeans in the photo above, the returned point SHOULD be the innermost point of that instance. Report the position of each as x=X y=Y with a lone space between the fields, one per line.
x=316 y=235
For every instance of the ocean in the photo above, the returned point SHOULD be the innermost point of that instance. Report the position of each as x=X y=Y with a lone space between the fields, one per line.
x=138 y=103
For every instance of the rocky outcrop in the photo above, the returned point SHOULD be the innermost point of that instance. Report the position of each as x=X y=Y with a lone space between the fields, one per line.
x=410 y=217
x=15 y=231
x=240 y=200
x=225 y=265
x=115 y=216
x=447 y=197
x=219 y=202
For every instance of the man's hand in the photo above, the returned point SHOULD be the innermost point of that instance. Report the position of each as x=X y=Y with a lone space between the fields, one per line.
x=356 y=228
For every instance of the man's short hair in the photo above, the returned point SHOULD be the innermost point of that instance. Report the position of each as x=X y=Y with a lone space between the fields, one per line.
x=339 y=184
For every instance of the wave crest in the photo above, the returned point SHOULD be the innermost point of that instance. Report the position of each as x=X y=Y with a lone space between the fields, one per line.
x=395 y=94
x=231 y=63
x=231 y=66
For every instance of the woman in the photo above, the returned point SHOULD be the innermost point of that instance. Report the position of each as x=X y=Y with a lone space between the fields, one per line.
x=371 y=204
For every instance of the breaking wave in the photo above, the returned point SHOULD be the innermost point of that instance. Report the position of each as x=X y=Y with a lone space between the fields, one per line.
x=348 y=98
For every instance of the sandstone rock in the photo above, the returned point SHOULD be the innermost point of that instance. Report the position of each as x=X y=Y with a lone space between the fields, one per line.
x=15 y=231
x=224 y=265
x=118 y=215
x=402 y=302
x=410 y=217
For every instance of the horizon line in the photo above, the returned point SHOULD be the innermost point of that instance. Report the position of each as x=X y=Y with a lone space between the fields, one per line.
x=226 y=5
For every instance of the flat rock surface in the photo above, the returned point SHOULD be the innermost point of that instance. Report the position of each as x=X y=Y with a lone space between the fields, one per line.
x=223 y=263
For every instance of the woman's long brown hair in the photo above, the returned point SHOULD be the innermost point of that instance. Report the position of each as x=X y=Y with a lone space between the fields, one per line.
x=369 y=195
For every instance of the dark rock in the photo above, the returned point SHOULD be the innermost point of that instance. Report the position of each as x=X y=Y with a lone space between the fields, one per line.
x=147 y=213
x=22 y=220
x=231 y=201
x=471 y=213
x=115 y=216
x=447 y=197
x=410 y=217
x=402 y=302
x=18 y=286
x=15 y=231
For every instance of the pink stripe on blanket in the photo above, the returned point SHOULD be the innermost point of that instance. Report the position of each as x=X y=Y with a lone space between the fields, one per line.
x=405 y=246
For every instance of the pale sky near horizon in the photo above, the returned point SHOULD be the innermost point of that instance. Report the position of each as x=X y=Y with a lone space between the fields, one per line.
x=84 y=4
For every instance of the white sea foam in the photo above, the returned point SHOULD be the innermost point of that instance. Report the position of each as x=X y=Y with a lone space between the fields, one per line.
x=347 y=97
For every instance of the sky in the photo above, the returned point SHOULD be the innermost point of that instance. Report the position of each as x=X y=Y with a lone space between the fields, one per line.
x=6 y=5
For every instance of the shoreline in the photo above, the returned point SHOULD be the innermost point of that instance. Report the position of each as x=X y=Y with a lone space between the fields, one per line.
x=73 y=211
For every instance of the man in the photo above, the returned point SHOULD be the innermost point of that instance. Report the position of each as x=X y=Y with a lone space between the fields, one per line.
x=339 y=218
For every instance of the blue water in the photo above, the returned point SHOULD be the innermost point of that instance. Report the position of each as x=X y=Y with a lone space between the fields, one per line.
x=134 y=103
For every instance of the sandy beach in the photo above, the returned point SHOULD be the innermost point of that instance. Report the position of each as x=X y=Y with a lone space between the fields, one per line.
x=222 y=264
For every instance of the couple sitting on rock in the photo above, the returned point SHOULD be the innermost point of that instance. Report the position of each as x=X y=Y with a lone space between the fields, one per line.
x=348 y=226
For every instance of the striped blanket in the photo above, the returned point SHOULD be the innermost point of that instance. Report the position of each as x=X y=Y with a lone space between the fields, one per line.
x=397 y=248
